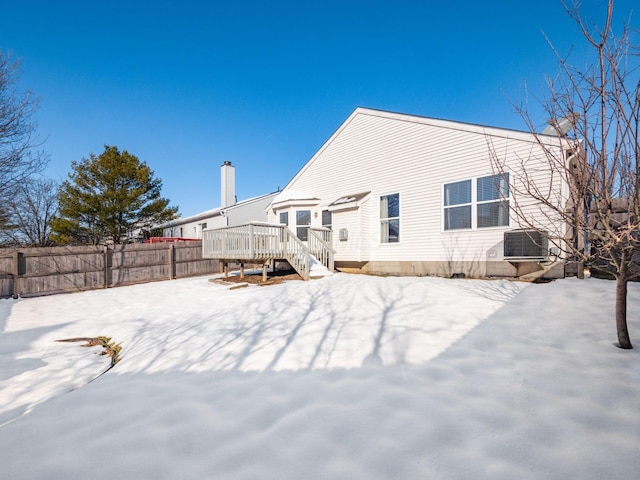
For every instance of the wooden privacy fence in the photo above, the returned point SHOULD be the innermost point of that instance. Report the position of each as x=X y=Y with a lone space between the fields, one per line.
x=44 y=271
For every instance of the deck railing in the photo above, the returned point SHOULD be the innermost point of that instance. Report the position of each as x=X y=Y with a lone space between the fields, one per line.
x=265 y=242
x=319 y=242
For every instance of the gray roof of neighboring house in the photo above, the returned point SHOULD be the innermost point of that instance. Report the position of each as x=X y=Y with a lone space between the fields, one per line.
x=215 y=212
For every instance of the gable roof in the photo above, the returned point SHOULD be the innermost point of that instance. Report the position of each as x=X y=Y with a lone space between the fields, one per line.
x=472 y=128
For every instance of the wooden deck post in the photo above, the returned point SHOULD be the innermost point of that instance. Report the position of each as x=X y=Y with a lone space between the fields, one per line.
x=264 y=272
x=251 y=242
x=242 y=271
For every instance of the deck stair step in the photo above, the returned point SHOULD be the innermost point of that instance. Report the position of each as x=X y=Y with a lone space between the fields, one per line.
x=317 y=269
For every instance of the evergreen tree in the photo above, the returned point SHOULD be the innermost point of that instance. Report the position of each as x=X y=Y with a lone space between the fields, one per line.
x=108 y=198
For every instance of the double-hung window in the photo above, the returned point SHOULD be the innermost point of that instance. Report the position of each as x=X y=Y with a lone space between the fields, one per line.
x=479 y=203
x=493 y=201
x=303 y=220
x=390 y=218
x=326 y=219
x=457 y=205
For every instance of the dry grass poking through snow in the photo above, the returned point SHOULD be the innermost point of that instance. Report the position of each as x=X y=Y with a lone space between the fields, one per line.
x=111 y=349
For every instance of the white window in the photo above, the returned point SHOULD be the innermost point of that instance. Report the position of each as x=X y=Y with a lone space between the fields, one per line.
x=482 y=203
x=303 y=220
x=457 y=205
x=284 y=218
x=493 y=201
x=390 y=218
x=326 y=219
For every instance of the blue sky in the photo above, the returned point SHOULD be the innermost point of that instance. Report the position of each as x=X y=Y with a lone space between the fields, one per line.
x=187 y=85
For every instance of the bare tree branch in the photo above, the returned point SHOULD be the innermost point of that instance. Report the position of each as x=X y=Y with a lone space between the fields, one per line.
x=19 y=157
x=601 y=207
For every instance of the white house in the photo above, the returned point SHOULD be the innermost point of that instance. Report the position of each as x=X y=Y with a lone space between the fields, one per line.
x=409 y=195
x=412 y=195
x=229 y=213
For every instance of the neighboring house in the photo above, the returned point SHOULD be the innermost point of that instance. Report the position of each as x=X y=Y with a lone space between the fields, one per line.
x=230 y=212
x=409 y=195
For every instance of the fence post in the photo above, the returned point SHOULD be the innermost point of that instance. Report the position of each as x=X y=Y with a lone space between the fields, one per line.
x=105 y=265
x=18 y=269
x=172 y=261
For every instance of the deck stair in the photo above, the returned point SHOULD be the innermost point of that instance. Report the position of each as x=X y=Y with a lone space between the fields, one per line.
x=266 y=243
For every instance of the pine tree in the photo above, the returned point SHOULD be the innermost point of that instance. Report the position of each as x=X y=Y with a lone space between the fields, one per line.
x=107 y=198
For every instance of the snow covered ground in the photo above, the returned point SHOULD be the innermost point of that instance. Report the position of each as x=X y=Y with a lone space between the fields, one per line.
x=348 y=377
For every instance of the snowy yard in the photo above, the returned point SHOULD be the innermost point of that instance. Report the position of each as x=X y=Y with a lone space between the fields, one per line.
x=348 y=377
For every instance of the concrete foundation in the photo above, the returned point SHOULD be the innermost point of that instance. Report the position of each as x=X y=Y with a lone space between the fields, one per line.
x=489 y=269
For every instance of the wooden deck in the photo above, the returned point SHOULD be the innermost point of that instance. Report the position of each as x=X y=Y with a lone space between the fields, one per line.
x=266 y=243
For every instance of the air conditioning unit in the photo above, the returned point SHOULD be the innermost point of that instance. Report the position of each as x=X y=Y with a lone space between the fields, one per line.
x=525 y=245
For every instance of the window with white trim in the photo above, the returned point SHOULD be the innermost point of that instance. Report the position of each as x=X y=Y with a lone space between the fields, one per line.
x=457 y=205
x=303 y=220
x=390 y=218
x=479 y=203
x=326 y=219
x=493 y=201
x=284 y=218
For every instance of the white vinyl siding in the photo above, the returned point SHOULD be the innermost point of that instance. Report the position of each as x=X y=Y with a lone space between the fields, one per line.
x=385 y=153
x=252 y=210
x=351 y=249
x=194 y=228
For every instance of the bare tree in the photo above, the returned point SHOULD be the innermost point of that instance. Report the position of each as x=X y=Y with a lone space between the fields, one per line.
x=595 y=111
x=19 y=156
x=30 y=212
